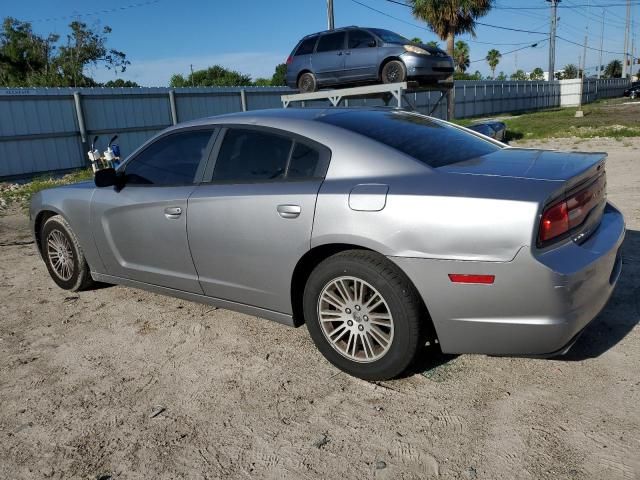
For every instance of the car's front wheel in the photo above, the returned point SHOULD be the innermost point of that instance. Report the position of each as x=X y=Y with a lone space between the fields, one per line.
x=307 y=83
x=63 y=255
x=394 y=72
x=363 y=314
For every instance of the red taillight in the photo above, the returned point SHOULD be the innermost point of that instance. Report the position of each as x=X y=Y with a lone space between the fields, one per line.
x=289 y=60
x=470 y=278
x=571 y=212
x=555 y=222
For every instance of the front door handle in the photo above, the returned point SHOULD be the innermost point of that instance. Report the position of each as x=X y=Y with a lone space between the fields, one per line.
x=172 y=213
x=289 y=211
x=339 y=53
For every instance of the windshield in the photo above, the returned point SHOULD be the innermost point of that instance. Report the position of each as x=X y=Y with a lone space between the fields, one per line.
x=388 y=36
x=429 y=141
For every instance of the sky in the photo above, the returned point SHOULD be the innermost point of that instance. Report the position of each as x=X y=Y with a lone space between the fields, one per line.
x=163 y=37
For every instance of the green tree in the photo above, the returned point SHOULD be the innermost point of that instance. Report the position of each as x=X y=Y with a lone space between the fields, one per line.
x=536 y=74
x=501 y=77
x=493 y=59
x=570 y=71
x=519 y=75
x=432 y=43
x=119 y=83
x=613 y=69
x=416 y=40
x=279 y=78
x=448 y=18
x=262 y=82
x=215 y=76
x=461 y=56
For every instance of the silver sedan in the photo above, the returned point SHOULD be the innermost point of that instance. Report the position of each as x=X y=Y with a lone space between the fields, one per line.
x=380 y=229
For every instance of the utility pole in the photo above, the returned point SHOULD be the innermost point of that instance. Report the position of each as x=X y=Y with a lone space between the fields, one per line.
x=626 y=40
x=330 y=14
x=579 y=112
x=552 y=37
x=601 y=43
x=193 y=81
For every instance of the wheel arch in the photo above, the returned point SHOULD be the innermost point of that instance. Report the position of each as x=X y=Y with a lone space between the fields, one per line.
x=313 y=258
x=302 y=72
x=41 y=217
x=387 y=60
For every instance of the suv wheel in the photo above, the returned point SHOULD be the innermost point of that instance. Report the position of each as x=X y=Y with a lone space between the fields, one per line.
x=394 y=72
x=307 y=82
x=363 y=314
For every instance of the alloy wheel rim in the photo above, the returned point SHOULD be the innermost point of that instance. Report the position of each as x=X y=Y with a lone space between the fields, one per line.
x=60 y=254
x=392 y=73
x=355 y=319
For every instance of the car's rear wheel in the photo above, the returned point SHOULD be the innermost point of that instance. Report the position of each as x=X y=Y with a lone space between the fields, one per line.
x=394 y=72
x=63 y=255
x=363 y=314
x=307 y=82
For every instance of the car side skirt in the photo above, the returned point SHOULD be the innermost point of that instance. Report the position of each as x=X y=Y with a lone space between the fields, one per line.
x=199 y=298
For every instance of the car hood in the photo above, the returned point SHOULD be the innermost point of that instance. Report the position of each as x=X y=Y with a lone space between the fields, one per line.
x=532 y=164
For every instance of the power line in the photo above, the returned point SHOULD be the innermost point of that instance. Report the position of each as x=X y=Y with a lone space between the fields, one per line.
x=533 y=45
x=97 y=12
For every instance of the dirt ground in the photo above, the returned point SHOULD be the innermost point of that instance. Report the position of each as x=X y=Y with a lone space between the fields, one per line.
x=119 y=383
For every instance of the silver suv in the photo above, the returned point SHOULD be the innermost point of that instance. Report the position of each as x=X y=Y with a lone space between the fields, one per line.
x=354 y=55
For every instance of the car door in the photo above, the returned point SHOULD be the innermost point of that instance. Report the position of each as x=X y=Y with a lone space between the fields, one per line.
x=361 y=56
x=140 y=230
x=251 y=222
x=328 y=61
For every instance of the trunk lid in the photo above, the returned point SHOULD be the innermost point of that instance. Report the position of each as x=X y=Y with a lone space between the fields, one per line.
x=570 y=168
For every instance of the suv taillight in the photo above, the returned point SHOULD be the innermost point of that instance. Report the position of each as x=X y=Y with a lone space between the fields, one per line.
x=289 y=60
x=563 y=216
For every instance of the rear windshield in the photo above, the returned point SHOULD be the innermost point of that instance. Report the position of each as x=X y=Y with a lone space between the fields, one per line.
x=431 y=142
x=389 y=36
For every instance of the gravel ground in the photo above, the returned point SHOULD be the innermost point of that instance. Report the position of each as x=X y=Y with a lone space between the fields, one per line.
x=118 y=383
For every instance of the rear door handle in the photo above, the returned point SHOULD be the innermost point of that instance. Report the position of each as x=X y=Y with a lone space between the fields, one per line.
x=339 y=53
x=289 y=211
x=172 y=213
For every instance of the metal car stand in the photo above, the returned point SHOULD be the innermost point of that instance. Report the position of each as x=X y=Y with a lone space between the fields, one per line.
x=386 y=92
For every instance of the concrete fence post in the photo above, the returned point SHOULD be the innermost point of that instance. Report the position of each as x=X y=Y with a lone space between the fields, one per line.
x=172 y=104
x=243 y=99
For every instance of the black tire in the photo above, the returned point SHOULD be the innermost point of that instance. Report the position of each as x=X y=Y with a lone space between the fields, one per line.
x=55 y=229
x=404 y=305
x=307 y=82
x=393 y=72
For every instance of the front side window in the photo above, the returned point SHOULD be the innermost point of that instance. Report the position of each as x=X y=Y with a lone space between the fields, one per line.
x=331 y=42
x=171 y=160
x=361 y=39
x=306 y=47
x=389 y=36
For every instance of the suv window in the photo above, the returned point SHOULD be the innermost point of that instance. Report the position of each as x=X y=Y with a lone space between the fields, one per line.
x=306 y=46
x=330 y=42
x=429 y=141
x=252 y=155
x=360 y=39
x=171 y=160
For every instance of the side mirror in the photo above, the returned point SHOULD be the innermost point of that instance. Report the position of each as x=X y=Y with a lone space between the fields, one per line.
x=107 y=177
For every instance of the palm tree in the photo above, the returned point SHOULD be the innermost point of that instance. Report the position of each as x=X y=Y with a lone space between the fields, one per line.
x=614 y=69
x=493 y=59
x=448 y=18
x=461 y=56
x=536 y=74
x=432 y=43
x=570 y=71
x=416 y=40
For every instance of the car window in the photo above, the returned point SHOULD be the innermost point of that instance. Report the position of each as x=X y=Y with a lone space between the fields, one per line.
x=171 y=160
x=390 y=37
x=306 y=162
x=330 y=42
x=306 y=46
x=251 y=155
x=360 y=39
x=428 y=140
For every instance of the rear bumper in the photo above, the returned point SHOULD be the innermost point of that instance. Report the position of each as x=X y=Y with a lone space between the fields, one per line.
x=423 y=66
x=539 y=302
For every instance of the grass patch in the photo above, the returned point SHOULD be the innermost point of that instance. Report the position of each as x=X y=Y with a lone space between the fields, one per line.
x=605 y=118
x=15 y=193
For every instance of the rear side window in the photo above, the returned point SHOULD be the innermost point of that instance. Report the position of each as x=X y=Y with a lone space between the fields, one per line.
x=330 y=42
x=306 y=162
x=171 y=160
x=431 y=142
x=252 y=155
x=306 y=47
x=360 y=39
